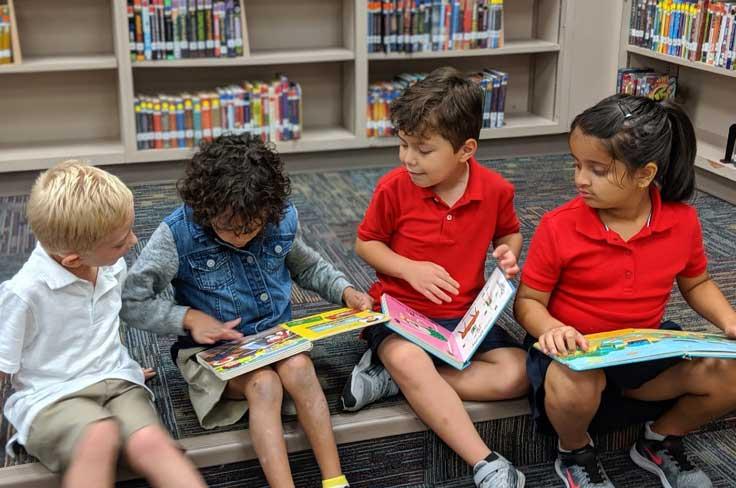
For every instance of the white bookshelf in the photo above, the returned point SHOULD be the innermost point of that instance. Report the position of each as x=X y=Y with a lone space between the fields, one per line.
x=73 y=94
x=707 y=95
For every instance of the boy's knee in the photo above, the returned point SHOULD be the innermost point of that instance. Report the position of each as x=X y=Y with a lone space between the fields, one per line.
x=573 y=391
x=264 y=387
x=148 y=441
x=719 y=374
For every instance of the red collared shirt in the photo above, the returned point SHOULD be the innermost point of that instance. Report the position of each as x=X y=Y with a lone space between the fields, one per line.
x=415 y=223
x=601 y=283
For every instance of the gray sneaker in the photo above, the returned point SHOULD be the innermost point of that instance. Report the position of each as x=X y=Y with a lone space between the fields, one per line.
x=581 y=468
x=668 y=460
x=499 y=473
x=367 y=383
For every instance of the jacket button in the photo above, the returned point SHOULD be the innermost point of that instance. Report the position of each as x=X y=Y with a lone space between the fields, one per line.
x=210 y=263
x=264 y=297
x=278 y=249
x=251 y=260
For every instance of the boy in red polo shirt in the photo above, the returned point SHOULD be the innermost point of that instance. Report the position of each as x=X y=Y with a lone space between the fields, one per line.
x=606 y=261
x=427 y=232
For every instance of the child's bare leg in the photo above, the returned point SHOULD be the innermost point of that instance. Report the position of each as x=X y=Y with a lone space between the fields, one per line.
x=152 y=453
x=300 y=380
x=707 y=390
x=499 y=374
x=432 y=398
x=95 y=456
x=571 y=400
x=262 y=388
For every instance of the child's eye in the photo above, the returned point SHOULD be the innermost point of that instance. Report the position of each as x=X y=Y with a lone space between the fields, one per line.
x=600 y=171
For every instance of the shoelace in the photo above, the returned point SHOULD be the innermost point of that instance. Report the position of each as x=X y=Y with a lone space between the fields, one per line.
x=672 y=447
x=589 y=462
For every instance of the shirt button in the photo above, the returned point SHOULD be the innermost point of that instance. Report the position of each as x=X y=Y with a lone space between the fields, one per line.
x=628 y=274
x=278 y=249
x=449 y=216
x=251 y=260
x=210 y=263
x=264 y=297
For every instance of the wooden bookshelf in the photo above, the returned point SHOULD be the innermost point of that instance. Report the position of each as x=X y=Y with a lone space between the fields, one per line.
x=76 y=87
x=706 y=93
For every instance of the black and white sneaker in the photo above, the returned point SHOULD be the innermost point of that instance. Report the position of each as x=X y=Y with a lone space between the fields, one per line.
x=668 y=460
x=367 y=383
x=581 y=468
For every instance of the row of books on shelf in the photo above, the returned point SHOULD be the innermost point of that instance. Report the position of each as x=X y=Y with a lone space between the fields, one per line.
x=176 y=29
x=696 y=30
x=380 y=95
x=434 y=25
x=646 y=82
x=6 y=35
x=272 y=111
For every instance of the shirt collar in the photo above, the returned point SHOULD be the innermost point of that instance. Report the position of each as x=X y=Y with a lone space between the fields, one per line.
x=591 y=225
x=57 y=276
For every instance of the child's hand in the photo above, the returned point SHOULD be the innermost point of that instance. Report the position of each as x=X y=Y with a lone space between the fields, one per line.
x=730 y=330
x=562 y=340
x=432 y=281
x=357 y=299
x=506 y=260
x=208 y=330
x=148 y=373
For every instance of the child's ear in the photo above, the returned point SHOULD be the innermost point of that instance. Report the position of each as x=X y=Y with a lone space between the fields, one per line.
x=71 y=260
x=467 y=150
x=645 y=175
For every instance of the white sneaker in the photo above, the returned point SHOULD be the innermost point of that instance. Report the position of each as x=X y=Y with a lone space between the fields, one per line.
x=367 y=383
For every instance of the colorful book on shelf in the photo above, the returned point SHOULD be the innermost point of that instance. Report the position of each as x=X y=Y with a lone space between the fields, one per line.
x=235 y=358
x=638 y=345
x=455 y=347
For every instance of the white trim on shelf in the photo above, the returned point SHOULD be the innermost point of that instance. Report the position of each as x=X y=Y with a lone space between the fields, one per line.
x=708 y=159
x=257 y=58
x=61 y=63
x=312 y=140
x=43 y=156
x=642 y=51
x=527 y=46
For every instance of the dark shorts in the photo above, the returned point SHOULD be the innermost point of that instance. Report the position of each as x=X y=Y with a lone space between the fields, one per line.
x=496 y=338
x=616 y=410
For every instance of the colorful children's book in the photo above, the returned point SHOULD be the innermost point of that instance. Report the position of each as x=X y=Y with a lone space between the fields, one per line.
x=637 y=345
x=455 y=347
x=234 y=358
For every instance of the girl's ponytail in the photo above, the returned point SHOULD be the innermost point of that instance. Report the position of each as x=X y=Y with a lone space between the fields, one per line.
x=676 y=176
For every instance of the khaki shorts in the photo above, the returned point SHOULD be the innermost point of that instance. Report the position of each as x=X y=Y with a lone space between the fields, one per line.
x=57 y=428
x=206 y=392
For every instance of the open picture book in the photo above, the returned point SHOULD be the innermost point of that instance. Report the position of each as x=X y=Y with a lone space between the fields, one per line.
x=636 y=345
x=234 y=358
x=455 y=347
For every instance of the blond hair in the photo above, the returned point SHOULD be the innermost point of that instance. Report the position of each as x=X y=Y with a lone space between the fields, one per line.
x=74 y=205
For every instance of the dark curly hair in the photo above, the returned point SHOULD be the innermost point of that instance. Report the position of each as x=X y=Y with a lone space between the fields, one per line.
x=235 y=178
x=444 y=103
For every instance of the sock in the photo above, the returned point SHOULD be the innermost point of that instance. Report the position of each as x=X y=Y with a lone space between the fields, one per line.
x=336 y=482
x=650 y=434
x=590 y=443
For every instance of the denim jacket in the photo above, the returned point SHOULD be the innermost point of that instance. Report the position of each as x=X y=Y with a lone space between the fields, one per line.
x=207 y=274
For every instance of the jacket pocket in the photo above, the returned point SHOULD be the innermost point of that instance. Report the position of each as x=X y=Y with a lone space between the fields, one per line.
x=212 y=270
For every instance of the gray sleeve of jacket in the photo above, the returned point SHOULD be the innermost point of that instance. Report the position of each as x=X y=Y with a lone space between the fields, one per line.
x=148 y=303
x=313 y=272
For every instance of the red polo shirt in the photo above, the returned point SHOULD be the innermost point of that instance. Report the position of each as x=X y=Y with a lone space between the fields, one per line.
x=415 y=223
x=601 y=283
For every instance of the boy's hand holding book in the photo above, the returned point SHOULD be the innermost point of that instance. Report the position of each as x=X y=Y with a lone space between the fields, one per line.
x=431 y=280
x=208 y=330
x=562 y=340
x=506 y=260
x=356 y=299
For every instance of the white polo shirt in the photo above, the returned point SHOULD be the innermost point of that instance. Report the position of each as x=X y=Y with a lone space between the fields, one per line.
x=59 y=334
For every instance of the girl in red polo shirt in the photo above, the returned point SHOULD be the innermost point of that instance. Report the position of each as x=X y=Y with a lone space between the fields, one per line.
x=606 y=260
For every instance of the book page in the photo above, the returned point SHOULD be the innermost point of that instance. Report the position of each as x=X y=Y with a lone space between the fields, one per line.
x=333 y=322
x=483 y=313
x=420 y=327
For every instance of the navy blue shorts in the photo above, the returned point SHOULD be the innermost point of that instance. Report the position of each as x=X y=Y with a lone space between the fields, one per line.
x=615 y=410
x=496 y=338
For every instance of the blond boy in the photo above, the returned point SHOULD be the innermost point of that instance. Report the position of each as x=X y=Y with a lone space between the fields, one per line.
x=79 y=397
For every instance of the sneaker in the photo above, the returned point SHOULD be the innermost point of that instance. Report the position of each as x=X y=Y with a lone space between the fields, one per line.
x=668 y=460
x=581 y=468
x=367 y=383
x=499 y=473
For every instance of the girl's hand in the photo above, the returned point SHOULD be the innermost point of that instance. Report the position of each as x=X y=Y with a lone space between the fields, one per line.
x=148 y=373
x=506 y=260
x=357 y=299
x=432 y=281
x=730 y=330
x=208 y=330
x=562 y=340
